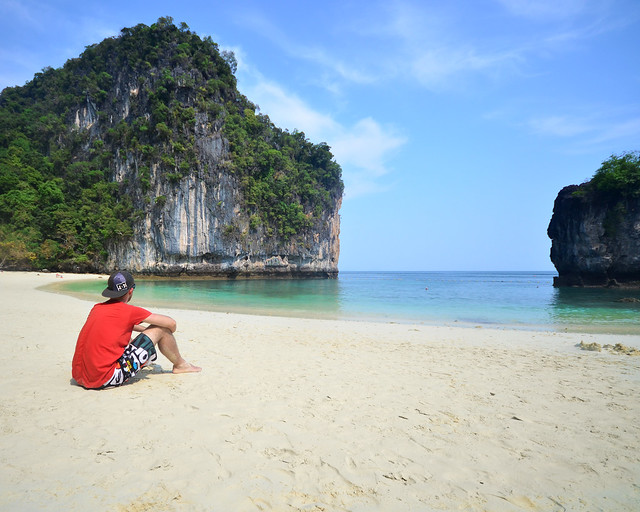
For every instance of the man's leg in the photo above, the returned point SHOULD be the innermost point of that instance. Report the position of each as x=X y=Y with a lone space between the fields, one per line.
x=166 y=342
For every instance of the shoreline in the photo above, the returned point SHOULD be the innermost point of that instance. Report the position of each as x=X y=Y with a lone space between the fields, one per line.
x=303 y=414
x=620 y=329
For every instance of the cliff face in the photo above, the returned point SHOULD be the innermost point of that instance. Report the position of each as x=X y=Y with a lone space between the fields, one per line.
x=200 y=224
x=148 y=158
x=595 y=240
x=201 y=229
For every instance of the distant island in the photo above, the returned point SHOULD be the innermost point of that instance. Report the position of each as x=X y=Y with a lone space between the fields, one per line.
x=595 y=227
x=142 y=154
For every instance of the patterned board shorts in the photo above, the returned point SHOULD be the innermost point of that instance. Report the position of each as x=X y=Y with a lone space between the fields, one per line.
x=135 y=356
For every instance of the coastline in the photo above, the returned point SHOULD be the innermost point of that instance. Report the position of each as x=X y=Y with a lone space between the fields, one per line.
x=494 y=300
x=302 y=414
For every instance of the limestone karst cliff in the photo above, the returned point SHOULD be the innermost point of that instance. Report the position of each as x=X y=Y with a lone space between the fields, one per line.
x=595 y=228
x=142 y=154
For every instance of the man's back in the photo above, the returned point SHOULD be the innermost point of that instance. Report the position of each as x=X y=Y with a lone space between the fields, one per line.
x=101 y=341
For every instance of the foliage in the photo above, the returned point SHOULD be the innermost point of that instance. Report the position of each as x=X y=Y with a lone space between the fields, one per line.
x=13 y=249
x=614 y=183
x=63 y=136
x=619 y=175
x=285 y=178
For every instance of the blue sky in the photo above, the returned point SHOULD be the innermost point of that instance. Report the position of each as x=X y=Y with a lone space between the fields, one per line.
x=456 y=123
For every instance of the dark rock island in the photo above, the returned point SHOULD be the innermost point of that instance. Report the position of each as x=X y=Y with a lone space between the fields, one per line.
x=142 y=154
x=595 y=227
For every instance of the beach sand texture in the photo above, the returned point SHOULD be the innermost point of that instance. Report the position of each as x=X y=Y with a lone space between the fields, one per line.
x=295 y=414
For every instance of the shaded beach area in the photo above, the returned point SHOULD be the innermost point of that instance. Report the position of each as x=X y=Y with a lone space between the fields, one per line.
x=298 y=414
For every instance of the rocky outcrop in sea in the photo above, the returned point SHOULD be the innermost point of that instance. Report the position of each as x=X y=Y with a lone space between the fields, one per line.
x=595 y=238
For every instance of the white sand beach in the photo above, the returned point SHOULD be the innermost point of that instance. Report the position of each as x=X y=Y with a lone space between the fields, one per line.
x=295 y=414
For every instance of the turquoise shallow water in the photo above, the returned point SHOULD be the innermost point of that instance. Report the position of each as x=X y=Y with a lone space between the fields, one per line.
x=525 y=300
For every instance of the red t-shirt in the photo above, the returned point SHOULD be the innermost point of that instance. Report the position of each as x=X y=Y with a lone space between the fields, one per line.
x=102 y=340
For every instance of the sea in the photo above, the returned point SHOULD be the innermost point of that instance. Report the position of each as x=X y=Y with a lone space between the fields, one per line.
x=513 y=300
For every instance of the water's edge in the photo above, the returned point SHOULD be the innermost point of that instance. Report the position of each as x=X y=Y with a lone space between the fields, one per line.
x=501 y=300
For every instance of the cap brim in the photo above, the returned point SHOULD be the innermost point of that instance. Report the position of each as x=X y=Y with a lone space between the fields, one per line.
x=113 y=294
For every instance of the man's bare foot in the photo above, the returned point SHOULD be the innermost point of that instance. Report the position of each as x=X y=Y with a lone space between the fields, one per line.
x=186 y=368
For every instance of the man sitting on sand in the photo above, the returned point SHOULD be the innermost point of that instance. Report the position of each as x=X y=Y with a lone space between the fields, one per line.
x=106 y=356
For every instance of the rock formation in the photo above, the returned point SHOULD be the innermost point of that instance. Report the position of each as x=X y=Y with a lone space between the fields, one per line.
x=595 y=238
x=202 y=229
x=142 y=154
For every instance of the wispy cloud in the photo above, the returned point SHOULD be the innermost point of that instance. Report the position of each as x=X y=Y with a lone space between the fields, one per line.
x=608 y=130
x=22 y=56
x=426 y=43
x=362 y=149
x=626 y=129
x=288 y=110
x=22 y=12
x=333 y=68
x=441 y=68
x=436 y=46
x=429 y=45
x=561 y=126
x=282 y=106
x=545 y=9
x=345 y=70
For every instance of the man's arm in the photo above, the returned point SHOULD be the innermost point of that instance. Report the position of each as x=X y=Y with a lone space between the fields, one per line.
x=157 y=320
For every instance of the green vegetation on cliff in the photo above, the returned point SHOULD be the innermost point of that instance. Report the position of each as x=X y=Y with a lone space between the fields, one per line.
x=137 y=101
x=615 y=183
x=619 y=175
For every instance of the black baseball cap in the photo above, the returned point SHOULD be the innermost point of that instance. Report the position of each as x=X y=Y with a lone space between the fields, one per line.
x=120 y=282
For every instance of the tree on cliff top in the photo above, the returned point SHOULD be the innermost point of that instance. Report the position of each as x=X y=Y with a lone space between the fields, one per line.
x=619 y=175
